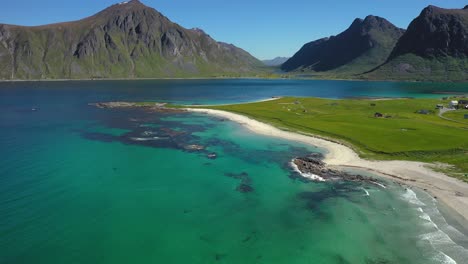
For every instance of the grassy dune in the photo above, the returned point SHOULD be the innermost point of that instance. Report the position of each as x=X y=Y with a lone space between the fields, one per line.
x=401 y=134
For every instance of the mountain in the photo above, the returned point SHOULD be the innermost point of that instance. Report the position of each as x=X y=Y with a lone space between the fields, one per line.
x=276 y=61
x=435 y=47
x=363 y=46
x=126 y=40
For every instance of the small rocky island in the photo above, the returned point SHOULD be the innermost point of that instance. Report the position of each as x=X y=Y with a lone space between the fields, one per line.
x=149 y=106
x=312 y=167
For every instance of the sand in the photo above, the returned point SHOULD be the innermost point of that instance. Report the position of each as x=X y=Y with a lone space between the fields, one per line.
x=452 y=192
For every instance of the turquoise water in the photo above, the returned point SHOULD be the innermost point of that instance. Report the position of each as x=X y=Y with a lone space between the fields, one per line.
x=76 y=187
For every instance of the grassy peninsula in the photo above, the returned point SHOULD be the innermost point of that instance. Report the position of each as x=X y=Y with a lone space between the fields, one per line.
x=409 y=129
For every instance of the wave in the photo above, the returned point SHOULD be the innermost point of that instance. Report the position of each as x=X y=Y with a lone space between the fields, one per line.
x=444 y=259
x=410 y=196
x=378 y=184
x=367 y=193
x=310 y=176
x=145 y=138
x=445 y=249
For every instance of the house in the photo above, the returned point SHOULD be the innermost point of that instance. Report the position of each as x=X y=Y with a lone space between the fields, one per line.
x=378 y=115
x=423 y=112
x=439 y=106
x=453 y=104
x=462 y=103
x=466 y=116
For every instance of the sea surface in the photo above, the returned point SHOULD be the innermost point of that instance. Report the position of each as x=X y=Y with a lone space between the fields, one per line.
x=85 y=185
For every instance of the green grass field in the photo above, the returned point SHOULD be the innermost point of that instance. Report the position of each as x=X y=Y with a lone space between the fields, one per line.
x=401 y=134
x=458 y=115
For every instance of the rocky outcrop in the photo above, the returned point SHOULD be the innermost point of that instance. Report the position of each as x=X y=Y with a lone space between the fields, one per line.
x=313 y=167
x=153 y=107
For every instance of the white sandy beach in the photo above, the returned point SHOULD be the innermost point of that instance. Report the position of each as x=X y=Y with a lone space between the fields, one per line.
x=450 y=191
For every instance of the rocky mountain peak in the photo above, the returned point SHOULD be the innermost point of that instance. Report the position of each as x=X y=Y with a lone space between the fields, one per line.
x=125 y=7
x=358 y=40
x=436 y=32
x=125 y=40
x=356 y=23
x=376 y=21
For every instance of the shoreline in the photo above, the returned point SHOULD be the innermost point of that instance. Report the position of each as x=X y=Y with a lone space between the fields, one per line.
x=228 y=78
x=272 y=98
x=449 y=191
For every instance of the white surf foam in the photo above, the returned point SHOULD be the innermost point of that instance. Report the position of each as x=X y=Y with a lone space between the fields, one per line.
x=437 y=237
x=306 y=175
x=411 y=197
x=144 y=139
x=438 y=230
x=367 y=193
x=444 y=259
x=378 y=184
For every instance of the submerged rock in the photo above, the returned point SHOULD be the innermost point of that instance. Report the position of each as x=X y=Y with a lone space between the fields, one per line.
x=171 y=132
x=153 y=107
x=245 y=181
x=244 y=188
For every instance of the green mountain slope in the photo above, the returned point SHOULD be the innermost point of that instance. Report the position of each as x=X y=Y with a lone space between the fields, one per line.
x=127 y=40
x=363 y=46
x=435 y=47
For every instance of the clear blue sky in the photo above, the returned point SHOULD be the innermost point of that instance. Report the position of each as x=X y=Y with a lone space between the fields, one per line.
x=265 y=28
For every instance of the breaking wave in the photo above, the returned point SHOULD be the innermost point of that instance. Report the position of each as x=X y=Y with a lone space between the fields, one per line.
x=436 y=235
x=309 y=176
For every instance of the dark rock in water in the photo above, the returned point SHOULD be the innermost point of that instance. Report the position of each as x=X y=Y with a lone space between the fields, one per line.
x=246 y=239
x=244 y=188
x=237 y=176
x=245 y=181
x=313 y=165
x=377 y=261
x=171 y=132
x=219 y=257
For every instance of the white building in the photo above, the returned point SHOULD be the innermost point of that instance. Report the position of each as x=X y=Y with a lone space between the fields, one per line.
x=453 y=104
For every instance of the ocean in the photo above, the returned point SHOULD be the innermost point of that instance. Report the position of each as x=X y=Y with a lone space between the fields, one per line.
x=80 y=184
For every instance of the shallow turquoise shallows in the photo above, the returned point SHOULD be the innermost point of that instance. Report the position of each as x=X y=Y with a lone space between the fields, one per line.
x=85 y=185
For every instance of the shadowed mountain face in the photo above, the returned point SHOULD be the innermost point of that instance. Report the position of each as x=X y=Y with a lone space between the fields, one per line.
x=435 y=47
x=363 y=46
x=126 y=40
x=436 y=32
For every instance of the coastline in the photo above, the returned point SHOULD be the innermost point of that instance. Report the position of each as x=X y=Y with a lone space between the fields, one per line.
x=451 y=192
x=232 y=78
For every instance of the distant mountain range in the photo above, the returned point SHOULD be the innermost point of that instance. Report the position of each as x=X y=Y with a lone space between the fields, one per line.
x=434 y=47
x=126 y=40
x=276 y=61
x=131 y=40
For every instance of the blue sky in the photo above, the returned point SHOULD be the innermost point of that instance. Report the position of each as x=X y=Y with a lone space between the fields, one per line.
x=264 y=28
